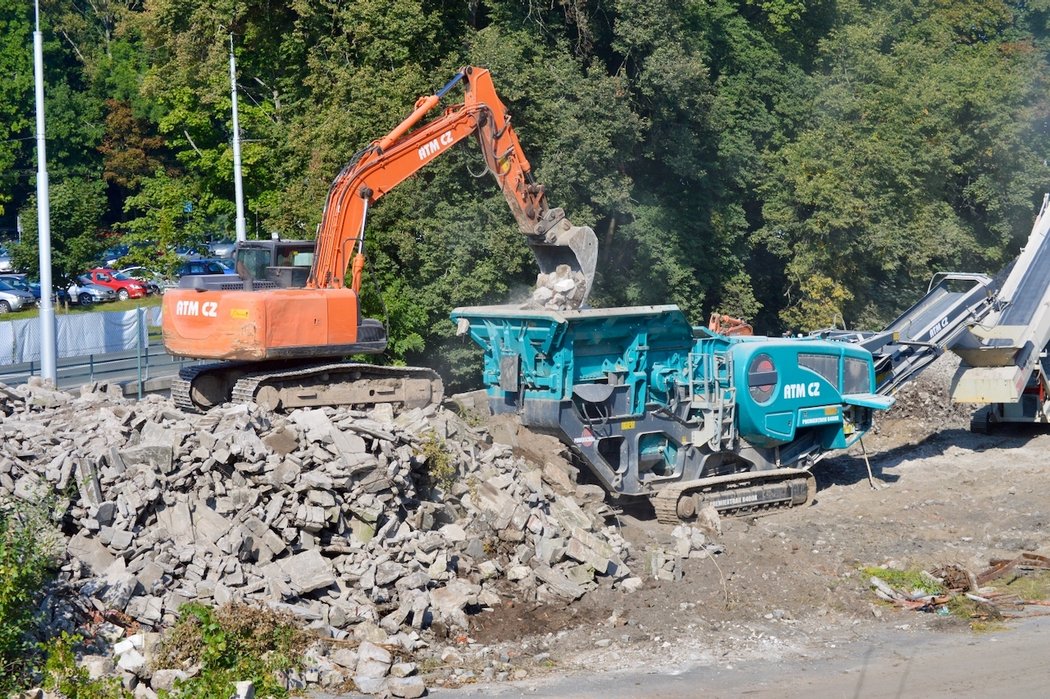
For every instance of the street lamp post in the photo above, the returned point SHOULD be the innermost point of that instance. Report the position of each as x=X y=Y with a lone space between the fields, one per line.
x=238 y=188
x=48 y=345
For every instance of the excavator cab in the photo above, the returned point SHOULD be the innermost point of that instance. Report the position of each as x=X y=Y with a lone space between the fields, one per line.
x=286 y=263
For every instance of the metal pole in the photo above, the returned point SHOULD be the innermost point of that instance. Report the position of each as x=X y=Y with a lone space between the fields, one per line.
x=238 y=188
x=48 y=345
x=139 y=347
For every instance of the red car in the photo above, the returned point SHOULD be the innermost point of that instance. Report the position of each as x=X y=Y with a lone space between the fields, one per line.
x=125 y=286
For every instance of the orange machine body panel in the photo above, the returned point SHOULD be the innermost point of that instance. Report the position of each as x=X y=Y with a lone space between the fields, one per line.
x=248 y=325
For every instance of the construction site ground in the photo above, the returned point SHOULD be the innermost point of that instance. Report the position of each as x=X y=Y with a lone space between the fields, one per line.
x=787 y=608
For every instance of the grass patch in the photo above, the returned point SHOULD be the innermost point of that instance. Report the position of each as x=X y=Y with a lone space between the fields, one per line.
x=230 y=644
x=1030 y=586
x=906 y=580
x=982 y=616
x=63 y=675
x=62 y=309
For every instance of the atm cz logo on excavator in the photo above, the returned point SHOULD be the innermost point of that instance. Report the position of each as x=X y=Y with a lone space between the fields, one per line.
x=208 y=309
x=432 y=147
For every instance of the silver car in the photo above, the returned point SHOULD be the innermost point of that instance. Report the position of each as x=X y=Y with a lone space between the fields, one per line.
x=85 y=292
x=12 y=299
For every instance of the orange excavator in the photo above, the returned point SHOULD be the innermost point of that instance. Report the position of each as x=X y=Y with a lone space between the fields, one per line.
x=283 y=347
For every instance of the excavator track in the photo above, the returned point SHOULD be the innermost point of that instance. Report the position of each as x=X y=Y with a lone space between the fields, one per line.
x=736 y=494
x=340 y=383
x=188 y=383
x=283 y=386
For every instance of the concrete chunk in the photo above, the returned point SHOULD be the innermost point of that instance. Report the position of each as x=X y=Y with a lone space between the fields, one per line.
x=373 y=664
x=406 y=687
x=308 y=570
x=559 y=584
x=90 y=552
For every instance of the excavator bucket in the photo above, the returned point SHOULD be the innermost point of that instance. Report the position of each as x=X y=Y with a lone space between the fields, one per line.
x=567 y=256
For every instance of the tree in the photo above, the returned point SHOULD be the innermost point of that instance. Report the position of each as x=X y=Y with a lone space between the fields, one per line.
x=77 y=206
x=166 y=212
x=16 y=89
x=923 y=154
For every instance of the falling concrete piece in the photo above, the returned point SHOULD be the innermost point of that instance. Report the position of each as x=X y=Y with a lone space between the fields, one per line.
x=450 y=600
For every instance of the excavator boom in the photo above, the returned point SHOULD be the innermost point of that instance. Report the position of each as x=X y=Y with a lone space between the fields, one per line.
x=389 y=161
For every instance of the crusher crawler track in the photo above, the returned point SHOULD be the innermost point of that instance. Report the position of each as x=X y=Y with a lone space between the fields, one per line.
x=735 y=494
x=284 y=385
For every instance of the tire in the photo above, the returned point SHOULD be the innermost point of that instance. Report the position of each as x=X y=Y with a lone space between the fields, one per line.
x=122 y=294
x=5 y=307
x=84 y=299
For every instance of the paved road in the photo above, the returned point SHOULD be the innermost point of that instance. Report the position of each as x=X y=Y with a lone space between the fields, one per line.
x=898 y=664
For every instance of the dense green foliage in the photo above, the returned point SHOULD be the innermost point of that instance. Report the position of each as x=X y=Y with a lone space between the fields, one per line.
x=797 y=163
x=25 y=562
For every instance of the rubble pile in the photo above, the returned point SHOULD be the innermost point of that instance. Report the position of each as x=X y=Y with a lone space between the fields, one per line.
x=378 y=527
x=927 y=400
x=562 y=289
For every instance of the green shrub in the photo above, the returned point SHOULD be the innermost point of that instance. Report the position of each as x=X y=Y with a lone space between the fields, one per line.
x=441 y=470
x=63 y=675
x=25 y=566
x=232 y=643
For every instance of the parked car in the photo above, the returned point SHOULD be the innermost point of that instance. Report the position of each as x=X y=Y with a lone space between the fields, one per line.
x=202 y=267
x=192 y=252
x=229 y=263
x=5 y=260
x=19 y=281
x=14 y=299
x=222 y=248
x=125 y=286
x=155 y=282
x=86 y=292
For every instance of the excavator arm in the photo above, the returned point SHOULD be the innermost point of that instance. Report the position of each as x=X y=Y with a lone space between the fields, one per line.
x=392 y=159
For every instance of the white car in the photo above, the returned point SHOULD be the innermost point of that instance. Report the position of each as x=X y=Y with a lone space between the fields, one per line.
x=5 y=260
x=155 y=282
x=85 y=292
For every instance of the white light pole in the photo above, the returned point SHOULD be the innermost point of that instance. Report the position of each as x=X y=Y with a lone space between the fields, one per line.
x=238 y=188
x=48 y=346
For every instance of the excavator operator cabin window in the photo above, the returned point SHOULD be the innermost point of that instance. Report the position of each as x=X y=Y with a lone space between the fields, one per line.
x=253 y=262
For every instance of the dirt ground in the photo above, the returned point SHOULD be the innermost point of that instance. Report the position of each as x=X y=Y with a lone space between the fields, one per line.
x=790 y=584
